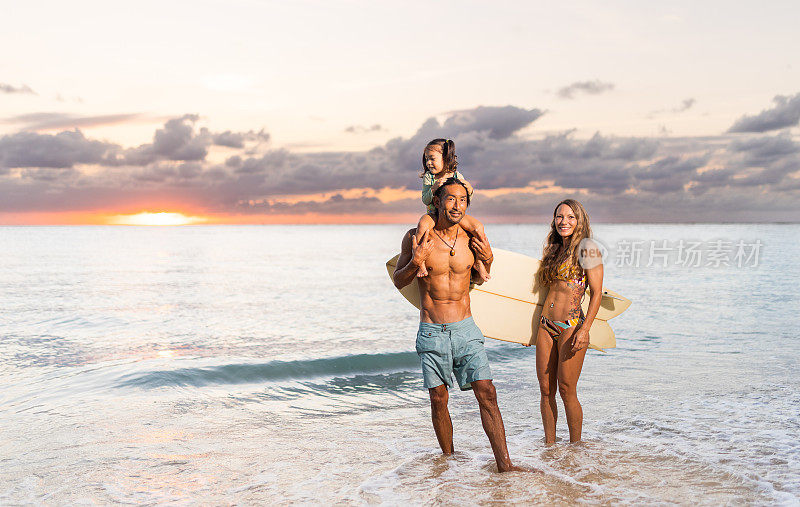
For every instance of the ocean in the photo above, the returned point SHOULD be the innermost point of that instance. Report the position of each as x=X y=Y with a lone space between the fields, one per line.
x=276 y=364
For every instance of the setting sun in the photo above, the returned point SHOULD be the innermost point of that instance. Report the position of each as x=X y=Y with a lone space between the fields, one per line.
x=162 y=218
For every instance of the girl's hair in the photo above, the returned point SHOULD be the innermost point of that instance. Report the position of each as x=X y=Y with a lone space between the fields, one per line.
x=448 y=149
x=558 y=250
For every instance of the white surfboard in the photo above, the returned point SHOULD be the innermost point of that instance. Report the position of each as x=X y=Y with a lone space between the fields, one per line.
x=508 y=306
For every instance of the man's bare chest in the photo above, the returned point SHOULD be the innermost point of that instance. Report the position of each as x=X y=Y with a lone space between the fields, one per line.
x=450 y=256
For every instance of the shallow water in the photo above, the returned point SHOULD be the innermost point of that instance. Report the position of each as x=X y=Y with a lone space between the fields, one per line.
x=276 y=364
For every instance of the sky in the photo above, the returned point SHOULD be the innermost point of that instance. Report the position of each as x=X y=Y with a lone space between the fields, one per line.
x=307 y=111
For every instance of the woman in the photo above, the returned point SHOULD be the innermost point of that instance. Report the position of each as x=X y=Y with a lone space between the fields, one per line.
x=563 y=334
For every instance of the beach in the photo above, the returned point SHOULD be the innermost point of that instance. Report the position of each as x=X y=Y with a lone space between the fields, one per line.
x=276 y=364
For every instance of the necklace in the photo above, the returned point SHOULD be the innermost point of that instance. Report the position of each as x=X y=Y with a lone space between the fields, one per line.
x=453 y=246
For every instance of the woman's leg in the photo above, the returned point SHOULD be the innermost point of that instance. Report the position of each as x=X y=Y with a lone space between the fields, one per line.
x=569 y=369
x=546 y=372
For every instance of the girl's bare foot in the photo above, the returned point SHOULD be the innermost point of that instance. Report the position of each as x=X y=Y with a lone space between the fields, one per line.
x=482 y=274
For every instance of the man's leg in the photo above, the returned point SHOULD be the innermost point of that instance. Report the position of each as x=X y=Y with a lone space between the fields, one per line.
x=440 y=415
x=493 y=422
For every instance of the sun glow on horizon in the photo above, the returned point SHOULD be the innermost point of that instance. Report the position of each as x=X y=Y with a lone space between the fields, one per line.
x=161 y=218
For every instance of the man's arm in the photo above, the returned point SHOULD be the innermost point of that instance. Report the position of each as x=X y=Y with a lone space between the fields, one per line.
x=412 y=255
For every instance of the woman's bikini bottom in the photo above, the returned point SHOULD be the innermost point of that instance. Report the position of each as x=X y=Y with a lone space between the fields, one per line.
x=555 y=327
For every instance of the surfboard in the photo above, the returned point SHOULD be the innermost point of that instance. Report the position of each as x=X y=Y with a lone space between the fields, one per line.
x=508 y=306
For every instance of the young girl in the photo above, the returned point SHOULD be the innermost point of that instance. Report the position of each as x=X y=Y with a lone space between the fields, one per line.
x=439 y=162
x=563 y=334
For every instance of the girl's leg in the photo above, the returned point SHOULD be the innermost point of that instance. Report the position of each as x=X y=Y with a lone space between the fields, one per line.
x=480 y=269
x=425 y=223
x=569 y=369
x=474 y=228
x=547 y=373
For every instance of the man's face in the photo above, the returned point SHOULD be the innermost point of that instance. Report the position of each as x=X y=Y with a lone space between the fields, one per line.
x=453 y=203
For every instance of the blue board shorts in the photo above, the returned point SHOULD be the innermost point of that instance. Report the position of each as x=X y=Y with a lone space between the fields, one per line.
x=457 y=347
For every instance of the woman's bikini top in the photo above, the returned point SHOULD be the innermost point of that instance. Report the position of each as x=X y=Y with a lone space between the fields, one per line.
x=564 y=274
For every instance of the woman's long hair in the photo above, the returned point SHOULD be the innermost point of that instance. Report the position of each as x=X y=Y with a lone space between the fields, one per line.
x=558 y=250
x=449 y=158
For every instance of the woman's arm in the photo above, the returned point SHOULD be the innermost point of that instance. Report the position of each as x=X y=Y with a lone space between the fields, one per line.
x=594 y=277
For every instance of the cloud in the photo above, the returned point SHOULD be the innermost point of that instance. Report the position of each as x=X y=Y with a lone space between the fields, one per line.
x=786 y=113
x=736 y=205
x=62 y=150
x=238 y=139
x=630 y=178
x=764 y=160
x=668 y=174
x=24 y=89
x=51 y=121
x=359 y=129
x=764 y=150
x=336 y=204
x=599 y=163
x=595 y=87
x=51 y=174
x=276 y=172
x=179 y=140
x=685 y=105
x=497 y=122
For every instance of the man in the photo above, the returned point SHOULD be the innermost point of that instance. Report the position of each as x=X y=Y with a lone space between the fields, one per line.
x=448 y=340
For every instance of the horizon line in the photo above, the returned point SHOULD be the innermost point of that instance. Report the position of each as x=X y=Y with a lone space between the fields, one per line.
x=234 y=224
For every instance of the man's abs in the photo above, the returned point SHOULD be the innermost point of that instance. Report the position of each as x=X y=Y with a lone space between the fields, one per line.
x=444 y=311
x=444 y=293
x=444 y=298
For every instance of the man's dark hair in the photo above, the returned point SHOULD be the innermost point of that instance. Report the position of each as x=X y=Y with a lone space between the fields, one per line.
x=451 y=181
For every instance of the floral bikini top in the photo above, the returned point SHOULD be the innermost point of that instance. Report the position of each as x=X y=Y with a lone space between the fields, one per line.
x=565 y=274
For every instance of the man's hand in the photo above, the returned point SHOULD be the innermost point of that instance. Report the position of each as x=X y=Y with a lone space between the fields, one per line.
x=422 y=250
x=481 y=247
